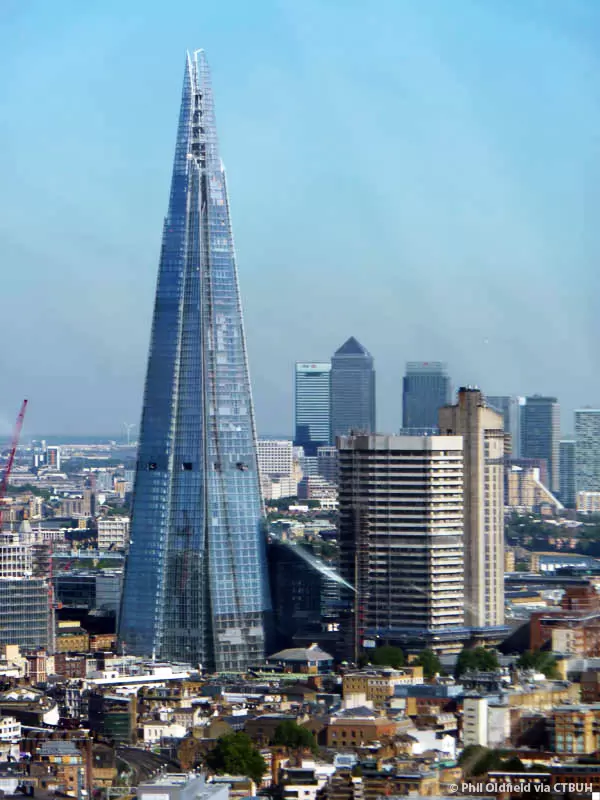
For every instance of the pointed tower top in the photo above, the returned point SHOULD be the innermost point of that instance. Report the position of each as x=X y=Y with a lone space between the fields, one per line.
x=352 y=347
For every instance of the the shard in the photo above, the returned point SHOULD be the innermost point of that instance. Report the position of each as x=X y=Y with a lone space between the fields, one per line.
x=196 y=580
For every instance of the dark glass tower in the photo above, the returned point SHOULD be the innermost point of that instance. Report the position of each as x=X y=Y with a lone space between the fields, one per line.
x=540 y=435
x=352 y=390
x=196 y=583
x=425 y=389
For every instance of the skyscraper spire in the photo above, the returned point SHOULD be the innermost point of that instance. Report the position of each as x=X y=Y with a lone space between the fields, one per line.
x=195 y=584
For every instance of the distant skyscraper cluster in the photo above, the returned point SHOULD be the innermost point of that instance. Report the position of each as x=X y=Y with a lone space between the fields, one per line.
x=334 y=397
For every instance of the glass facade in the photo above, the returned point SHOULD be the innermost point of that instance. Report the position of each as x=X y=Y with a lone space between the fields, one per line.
x=425 y=389
x=540 y=435
x=195 y=583
x=352 y=390
x=312 y=406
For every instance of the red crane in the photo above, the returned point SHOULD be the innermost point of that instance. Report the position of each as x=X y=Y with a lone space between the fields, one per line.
x=11 y=456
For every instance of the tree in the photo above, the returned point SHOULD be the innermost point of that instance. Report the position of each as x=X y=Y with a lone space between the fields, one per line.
x=290 y=734
x=430 y=662
x=475 y=658
x=539 y=661
x=388 y=656
x=235 y=754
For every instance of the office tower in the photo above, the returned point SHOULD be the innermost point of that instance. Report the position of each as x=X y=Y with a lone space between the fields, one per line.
x=401 y=538
x=587 y=450
x=540 y=434
x=113 y=533
x=25 y=615
x=483 y=435
x=425 y=389
x=53 y=458
x=352 y=390
x=312 y=406
x=195 y=583
x=306 y=593
x=567 y=472
x=279 y=474
x=510 y=408
x=327 y=463
x=275 y=457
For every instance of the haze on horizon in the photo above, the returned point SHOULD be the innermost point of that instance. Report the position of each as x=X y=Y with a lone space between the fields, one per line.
x=423 y=176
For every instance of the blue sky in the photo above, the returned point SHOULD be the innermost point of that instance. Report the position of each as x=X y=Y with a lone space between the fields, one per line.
x=421 y=174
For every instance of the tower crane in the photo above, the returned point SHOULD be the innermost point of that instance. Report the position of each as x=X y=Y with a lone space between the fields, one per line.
x=11 y=456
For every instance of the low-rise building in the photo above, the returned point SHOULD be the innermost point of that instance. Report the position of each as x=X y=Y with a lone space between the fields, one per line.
x=378 y=685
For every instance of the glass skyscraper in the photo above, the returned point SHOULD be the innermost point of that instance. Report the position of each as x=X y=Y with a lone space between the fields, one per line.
x=352 y=390
x=425 y=389
x=312 y=406
x=196 y=581
x=540 y=435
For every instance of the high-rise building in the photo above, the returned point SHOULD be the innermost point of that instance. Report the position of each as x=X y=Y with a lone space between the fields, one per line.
x=53 y=458
x=482 y=433
x=327 y=463
x=25 y=614
x=275 y=457
x=306 y=593
x=567 y=472
x=425 y=389
x=196 y=583
x=510 y=408
x=352 y=390
x=278 y=472
x=312 y=406
x=587 y=450
x=540 y=434
x=113 y=533
x=401 y=538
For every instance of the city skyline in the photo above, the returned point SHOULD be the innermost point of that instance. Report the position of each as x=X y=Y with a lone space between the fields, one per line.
x=479 y=174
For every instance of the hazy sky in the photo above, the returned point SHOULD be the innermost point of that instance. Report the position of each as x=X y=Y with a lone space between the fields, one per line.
x=421 y=174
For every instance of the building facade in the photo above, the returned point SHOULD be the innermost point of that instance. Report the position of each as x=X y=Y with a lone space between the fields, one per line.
x=567 y=472
x=275 y=457
x=312 y=406
x=196 y=584
x=482 y=432
x=401 y=536
x=425 y=389
x=510 y=408
x=540 y=434
x=113 y=533
x=587 y=450
x=352 y=390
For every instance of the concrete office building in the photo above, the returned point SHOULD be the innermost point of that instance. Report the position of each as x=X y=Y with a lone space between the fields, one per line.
x=113 y=533
x=540 y=434
x=275 y=457
x=483 y=436
x=352 y=390
x=425 y=389
x=24 y=599
x=567 y=472
x=312 y=394
x=401 y=539
x=587 y=450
